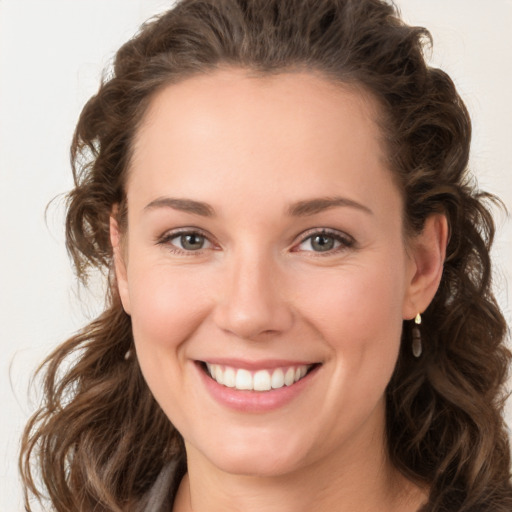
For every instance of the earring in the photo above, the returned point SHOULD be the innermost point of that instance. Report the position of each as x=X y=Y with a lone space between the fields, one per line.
x=416 y=337
x=128 y=354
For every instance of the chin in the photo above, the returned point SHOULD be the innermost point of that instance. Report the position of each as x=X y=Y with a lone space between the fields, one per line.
x=256 y=458
x=260 y=466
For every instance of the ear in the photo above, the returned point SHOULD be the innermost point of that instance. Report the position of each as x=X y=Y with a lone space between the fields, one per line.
x=119 y=261
x=427 y=252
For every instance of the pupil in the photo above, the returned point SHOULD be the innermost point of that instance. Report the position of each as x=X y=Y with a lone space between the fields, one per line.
x=322 y=243
x=192 y=242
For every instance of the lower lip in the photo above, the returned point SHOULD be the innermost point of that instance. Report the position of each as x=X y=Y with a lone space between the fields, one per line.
x=255 y=401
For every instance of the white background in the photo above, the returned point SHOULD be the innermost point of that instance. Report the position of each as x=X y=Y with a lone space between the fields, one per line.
x=52 y=53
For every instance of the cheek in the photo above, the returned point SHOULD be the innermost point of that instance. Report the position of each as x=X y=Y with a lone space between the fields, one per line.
x=360 y=300
x=167 y=308
x=167 y=304
x=358 y=314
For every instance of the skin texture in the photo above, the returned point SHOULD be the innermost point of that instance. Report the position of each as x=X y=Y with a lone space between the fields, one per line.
x=257 y=290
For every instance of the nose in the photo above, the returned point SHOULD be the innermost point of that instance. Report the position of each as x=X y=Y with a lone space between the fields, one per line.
x=252 y=304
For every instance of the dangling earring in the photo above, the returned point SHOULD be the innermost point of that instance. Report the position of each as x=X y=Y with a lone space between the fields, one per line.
x=416 y=337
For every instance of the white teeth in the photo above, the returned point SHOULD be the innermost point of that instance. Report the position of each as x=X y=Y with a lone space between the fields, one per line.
x=289 y=377
x=229 y=377
x=277 y=379
x=262 y=380
x=219 y=376
x=243 y=379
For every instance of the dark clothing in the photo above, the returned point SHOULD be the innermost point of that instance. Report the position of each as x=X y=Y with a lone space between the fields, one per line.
x=160 y=497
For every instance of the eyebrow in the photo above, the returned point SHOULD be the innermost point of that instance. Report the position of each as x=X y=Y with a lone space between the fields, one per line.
x=314 y=206
x=184 y=205
x=299 y=209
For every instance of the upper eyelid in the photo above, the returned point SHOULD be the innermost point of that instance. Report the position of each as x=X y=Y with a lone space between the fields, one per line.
x=169 y=235
x=341 y=235
x=345 y=241
x=325 y=231
x=173 y=233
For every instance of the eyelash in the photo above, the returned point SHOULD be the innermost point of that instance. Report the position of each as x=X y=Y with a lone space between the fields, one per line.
x=345 y=241
x=167 y=238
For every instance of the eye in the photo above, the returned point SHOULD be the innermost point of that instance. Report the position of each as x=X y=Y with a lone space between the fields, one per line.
x=325 y=241
x=186 y=241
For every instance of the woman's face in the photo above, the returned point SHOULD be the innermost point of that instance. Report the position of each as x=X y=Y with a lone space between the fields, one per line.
x=265 y=242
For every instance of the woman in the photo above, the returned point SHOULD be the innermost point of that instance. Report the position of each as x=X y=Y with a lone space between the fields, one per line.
x=299 y=313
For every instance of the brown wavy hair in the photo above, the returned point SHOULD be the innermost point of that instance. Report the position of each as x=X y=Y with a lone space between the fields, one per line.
x=99 y=439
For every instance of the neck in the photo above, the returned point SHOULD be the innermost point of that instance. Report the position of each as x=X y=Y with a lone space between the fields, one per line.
x=353 y=478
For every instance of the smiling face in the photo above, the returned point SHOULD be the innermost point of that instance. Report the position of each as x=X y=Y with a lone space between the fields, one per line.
x=265 y=246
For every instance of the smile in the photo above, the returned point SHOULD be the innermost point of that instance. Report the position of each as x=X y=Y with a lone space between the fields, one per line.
x=261 y=380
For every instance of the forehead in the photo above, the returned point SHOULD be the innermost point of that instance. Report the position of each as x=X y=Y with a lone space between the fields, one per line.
x=202 y=102
x=232 y=127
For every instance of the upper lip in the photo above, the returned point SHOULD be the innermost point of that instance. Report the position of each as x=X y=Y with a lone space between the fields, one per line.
x=262 y=364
